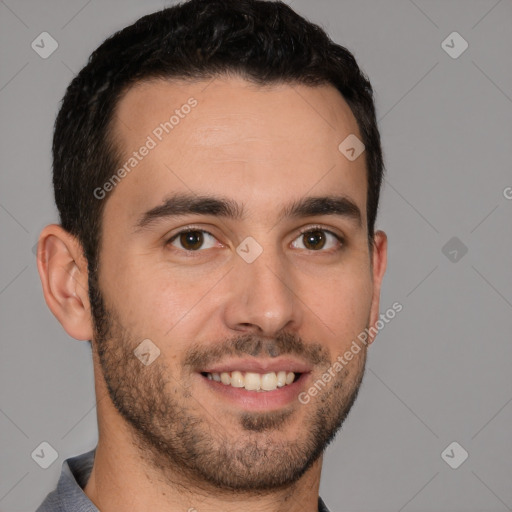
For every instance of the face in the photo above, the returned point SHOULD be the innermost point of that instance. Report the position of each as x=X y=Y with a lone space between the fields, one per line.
x=238 y=245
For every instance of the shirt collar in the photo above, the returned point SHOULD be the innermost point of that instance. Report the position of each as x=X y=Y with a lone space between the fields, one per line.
x=69 y=495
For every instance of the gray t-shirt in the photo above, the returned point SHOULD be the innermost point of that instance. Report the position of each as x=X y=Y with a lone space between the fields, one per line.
x=69 y=496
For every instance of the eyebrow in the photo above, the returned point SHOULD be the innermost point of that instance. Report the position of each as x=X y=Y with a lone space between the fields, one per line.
x=190 y=204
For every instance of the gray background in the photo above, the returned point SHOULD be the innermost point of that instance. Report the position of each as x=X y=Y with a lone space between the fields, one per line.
x=439 y=372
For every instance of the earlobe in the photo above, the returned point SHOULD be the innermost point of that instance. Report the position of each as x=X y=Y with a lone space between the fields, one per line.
x=379 y=259
x=63 y=272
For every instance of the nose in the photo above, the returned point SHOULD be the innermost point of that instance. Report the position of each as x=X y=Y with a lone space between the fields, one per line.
x=263 y=297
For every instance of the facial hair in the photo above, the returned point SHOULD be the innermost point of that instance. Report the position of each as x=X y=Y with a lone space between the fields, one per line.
x=176 y=435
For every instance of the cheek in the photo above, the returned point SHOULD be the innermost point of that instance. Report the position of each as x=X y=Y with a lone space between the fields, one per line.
x=342 y=304
x=146 y=302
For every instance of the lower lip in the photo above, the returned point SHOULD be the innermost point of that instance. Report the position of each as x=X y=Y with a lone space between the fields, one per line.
x=259 y=400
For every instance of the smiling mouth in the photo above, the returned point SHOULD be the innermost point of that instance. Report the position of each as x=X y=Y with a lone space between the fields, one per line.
x=252 y=381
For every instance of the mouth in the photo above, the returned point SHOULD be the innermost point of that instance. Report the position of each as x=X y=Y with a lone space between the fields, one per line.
x=252 y=381
x=257 y=385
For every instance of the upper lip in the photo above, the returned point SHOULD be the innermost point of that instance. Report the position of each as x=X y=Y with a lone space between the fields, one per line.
x=287 y=364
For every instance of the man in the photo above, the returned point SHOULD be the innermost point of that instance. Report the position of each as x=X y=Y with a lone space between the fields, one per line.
x=217 y=168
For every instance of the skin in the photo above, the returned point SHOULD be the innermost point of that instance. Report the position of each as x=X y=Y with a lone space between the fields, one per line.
x=263 y=148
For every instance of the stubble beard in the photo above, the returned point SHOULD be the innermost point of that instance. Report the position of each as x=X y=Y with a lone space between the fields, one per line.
x=178 y=439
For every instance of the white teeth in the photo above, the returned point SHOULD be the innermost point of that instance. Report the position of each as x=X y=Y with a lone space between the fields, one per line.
x=237 y=379
x=281 y=379
x=269 y=381
x=254 y=381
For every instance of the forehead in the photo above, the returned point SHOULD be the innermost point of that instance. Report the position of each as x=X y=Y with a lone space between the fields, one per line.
x=264 y=146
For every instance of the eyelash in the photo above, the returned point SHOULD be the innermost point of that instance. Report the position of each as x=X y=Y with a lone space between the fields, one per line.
x=193 y=229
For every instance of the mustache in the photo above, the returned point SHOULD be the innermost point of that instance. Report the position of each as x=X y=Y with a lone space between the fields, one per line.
x=285 y=343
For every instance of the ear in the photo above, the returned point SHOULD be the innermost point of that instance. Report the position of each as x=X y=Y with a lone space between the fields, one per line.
x=63 y=271
x=379 y=260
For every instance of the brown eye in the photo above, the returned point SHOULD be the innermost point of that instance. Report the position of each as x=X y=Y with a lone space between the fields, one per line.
x=192 y=240
x=318 y=239
x=314 y=239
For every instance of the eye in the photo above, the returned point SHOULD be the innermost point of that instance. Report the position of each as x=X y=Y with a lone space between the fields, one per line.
x=193 y=240
x=318 y=238
x=313 y=239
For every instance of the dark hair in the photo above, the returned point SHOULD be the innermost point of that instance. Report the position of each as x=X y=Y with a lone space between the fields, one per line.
x=264 y=42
